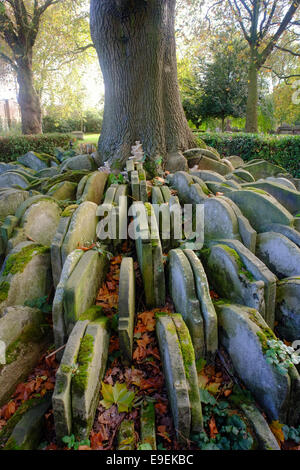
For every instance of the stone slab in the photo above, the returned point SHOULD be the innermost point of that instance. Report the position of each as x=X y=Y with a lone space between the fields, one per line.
x=126 y=309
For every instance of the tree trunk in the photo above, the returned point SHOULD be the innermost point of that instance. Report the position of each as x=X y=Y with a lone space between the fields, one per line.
x=28 y=98
x=252 y=99
x=135 y=42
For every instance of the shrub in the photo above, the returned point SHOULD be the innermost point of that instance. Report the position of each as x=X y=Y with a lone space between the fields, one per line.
x=281 y=150
x=13 y=147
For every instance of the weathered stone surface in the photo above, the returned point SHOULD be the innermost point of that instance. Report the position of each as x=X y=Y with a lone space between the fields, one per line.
x=189 y=362
x=262 y=169
x=15 y=323
x=207 y=175
x=236 y=161
x=174 y=372
x=59 y=325
x=166 y=192
x=33 y=160
x=288 y=308
x=64 y=190
x=198 y=152
x=247 y=233
x=92 y=358
x=228 y=163
x=82 y=286
x=48 y=172
x=82 y=228
x=81 y=186
x=287 y=197
x=126 y=309
x=135 y=185
x=285 y=230
x=206 y=305
x=183 y=293
x=176 y=162
x=206 y=163
x=242 y=331
x=157 y=197
x=265 y=437
x=25 y=274
x=126 y=435
x=29 y=431
x=25 y=339
x=38 y=217
x=56 y=260
x=188 y=191
x=260 y=208
x=61 y=400
x=260 y=272
x=244 y=175
x=148 y=431
x=223 y=188
x=230 y=278
x=79 y=162
x=280 y=254
x=11 y=178
x=282 y=181
x=94 y=187
x=149 y=252
x=10 y=201
x=6 y=230
x=220 y=220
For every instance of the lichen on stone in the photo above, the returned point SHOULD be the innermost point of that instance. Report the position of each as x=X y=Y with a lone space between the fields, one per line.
x=17 y=262
x=84 y=358
x=4 y=289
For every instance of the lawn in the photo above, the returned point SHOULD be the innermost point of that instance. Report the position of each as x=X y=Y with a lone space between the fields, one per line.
x=91 y=138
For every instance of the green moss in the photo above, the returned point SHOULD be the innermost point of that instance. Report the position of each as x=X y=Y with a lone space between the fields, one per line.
x=11 y=444
x=4 y=289
x=187 y=349
x=265 y=334
x=65 y=368
x=148 y=208
x=84 y=358
x=241 y=267
x=256 y=190
x=17 y=262
x=92 y=313
x=69 y=210
x=32 y=333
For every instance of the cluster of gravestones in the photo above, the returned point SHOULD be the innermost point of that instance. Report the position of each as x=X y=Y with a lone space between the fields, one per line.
x=50 y=210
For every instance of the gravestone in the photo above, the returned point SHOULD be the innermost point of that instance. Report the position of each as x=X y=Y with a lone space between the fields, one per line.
x=288 y=308
x=280 y=254
x=183 y=292
x=126 y=309
x=92 y=358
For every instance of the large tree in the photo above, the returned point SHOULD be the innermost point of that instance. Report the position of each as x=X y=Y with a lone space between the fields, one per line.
x=263 y=23
x=135 y=42
x=19 y=27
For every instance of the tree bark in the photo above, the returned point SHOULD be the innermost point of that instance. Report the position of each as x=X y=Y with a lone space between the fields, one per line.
x=28 y=98
x=135 y=42
x=252 y=99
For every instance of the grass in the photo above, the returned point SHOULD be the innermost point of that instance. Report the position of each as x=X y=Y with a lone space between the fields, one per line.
x=91 y=138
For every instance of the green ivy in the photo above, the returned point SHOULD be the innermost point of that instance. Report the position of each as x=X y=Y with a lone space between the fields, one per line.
x=41 y=303
x=73 y=444
x=232 y=430
x=281 y=356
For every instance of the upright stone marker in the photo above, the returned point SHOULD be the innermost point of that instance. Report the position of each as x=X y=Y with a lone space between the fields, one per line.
x=126 y=309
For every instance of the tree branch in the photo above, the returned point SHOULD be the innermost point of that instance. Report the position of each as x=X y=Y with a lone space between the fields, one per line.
x=8 y=60
x=296 y=54
x=285 y=22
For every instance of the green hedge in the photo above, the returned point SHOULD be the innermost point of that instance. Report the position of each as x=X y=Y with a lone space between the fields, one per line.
x=13 y=147
x=281 y=150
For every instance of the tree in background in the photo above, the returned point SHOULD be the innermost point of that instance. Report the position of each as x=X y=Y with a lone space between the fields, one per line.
x=33 y=41
x=135 y=42
x=263 y=23
x=218 y=89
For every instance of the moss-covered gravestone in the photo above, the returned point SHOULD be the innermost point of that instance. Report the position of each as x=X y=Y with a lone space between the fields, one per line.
x=126 y=309
x=91 y=360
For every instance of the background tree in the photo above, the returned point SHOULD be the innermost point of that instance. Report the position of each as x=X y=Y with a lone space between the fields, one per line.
x=19 y=26
x=41 y=45
x=263 y=23
x=135 y=42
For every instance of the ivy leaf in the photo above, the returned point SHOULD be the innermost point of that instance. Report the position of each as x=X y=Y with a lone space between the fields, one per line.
x=276 y=428
x=206 y=397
